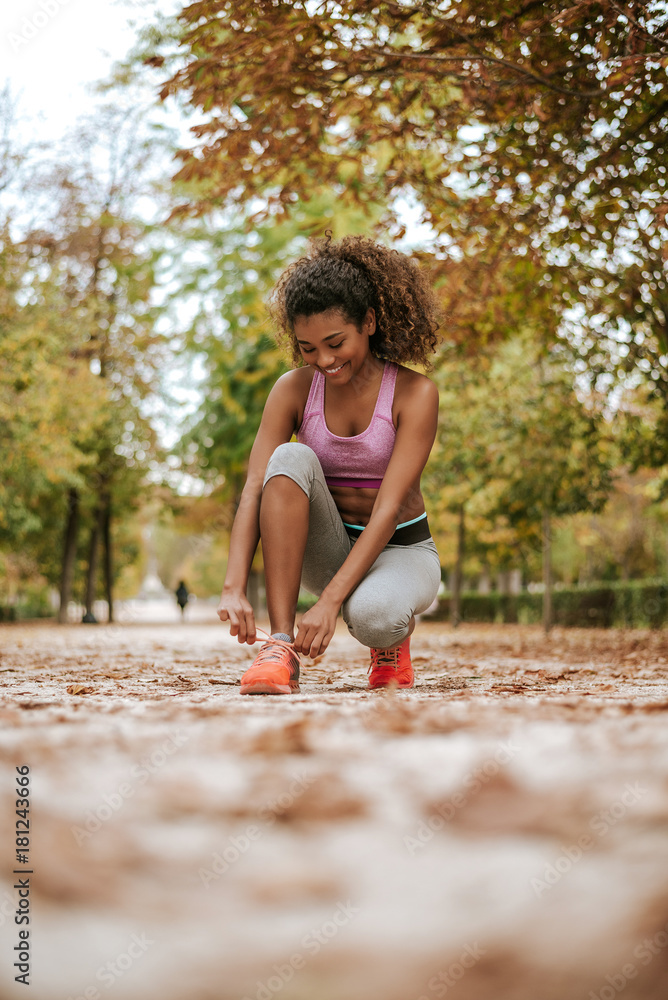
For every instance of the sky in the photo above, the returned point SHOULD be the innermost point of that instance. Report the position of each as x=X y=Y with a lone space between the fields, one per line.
x=51 y=51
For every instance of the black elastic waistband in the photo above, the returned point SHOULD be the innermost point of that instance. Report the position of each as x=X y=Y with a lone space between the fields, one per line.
x=409 y=534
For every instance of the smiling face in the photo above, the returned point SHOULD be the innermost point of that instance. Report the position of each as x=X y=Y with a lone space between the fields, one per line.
x=337 y=348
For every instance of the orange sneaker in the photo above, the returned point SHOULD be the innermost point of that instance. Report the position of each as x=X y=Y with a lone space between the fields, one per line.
x=275 y=670
x=391 y=666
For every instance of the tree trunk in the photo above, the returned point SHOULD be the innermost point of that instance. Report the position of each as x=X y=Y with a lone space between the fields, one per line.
x=456 y=597
x=108 y=558
x=547 y=570
x=93 y=560
x=69 y=553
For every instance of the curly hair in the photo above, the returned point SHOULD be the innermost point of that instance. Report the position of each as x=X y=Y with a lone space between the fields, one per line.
x=352 y=275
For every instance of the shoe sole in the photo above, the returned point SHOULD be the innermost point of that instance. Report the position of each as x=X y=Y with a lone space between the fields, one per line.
x=260 y=686
x=378 y=687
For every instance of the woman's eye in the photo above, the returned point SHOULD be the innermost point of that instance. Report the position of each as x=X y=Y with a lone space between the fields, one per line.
x=336 y=345
x=307 y=350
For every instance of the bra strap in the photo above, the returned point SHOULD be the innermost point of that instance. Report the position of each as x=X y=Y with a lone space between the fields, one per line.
x=315 y=402
x=386 y=391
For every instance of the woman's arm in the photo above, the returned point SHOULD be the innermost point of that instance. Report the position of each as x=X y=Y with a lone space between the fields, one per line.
x=416 y=431
x=277 y=426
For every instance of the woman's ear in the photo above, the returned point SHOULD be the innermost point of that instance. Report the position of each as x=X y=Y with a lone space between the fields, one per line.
x=369 y=324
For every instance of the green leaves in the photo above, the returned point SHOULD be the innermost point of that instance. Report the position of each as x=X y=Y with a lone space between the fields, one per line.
x=231 y=335
x=515 y=439
x=80 y=343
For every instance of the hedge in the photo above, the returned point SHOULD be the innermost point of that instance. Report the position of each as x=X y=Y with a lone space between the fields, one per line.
x=637 y=604
x=23 y=612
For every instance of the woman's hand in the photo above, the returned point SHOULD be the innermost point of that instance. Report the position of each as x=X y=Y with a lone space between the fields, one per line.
x=317 y=628
x=236 y=608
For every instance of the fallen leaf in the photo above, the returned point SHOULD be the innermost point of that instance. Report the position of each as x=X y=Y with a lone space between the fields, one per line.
x=79 y=689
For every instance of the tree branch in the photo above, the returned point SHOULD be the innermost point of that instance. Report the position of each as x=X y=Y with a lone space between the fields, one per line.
x=647 y=35
x=513 y=67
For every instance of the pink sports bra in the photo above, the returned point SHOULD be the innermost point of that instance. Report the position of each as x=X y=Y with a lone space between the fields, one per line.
x=360 y=460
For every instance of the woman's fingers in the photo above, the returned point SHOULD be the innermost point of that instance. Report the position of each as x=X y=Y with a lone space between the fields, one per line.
x=237 y=625
x=312 y=641
x=319 y=647
x=250 y=628
x=303 y=639
x=234 y=622
x=242 y=623
x=316 y=628
x=245 y=627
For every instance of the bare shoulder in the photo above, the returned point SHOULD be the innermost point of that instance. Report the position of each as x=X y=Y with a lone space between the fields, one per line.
x=293 y=386
x=415 y=389
x=289 y=394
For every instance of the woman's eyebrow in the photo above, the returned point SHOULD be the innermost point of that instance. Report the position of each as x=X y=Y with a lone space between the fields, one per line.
x=330 y=337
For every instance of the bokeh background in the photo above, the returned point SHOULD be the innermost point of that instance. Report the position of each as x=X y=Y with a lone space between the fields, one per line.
x=160 y=166
x=500 y=829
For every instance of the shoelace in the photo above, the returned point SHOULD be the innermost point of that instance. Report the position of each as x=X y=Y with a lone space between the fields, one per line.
x=384 y=658
x=279 y=642
x=288 y=645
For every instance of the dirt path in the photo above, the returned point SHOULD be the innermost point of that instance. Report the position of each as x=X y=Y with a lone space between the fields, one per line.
x=501 y=831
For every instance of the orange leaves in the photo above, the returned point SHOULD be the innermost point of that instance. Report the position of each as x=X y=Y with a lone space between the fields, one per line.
x=381 y=100
x=572 y=14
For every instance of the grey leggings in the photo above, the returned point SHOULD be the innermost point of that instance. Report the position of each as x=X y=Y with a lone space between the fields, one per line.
x=403 y=581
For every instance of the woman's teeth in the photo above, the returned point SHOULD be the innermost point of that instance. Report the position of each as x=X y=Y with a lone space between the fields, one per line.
x=333 y=371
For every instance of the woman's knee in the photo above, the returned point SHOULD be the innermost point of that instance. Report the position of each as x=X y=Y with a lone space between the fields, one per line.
x=374 y=624
x=291 y=459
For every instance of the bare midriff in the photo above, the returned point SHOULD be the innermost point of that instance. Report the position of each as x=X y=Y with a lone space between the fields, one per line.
x=355 y=504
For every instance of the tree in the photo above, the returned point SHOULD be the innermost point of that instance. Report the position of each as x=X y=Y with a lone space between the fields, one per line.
x=516 y=447
x=458 y=466
x=81 y=347
x=528 y=131
x=551 y=453
x=38 y=427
